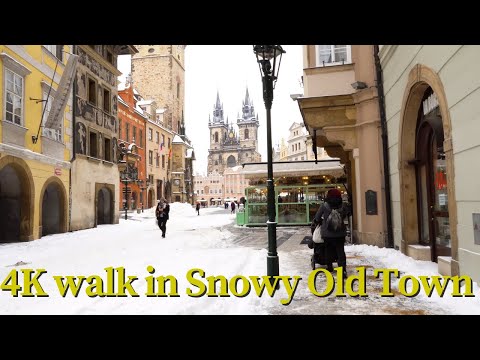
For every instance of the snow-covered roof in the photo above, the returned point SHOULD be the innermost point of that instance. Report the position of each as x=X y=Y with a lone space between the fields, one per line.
x=121 y=86
x=160 y=110
x=121 y=100
x=177 y=140
x=295 y=125
x=138 y=108
x=144 y=102
x=294 y=169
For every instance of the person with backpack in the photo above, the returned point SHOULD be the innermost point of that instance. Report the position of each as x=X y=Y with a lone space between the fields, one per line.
x=330 y=216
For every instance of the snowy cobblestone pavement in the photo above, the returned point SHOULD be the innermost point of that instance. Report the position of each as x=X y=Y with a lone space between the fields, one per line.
x=294 y=259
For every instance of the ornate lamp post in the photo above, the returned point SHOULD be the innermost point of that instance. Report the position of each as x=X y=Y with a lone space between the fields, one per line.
x=269 y=67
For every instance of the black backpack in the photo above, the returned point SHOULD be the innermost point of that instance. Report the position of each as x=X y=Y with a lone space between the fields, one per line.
x=334 y=220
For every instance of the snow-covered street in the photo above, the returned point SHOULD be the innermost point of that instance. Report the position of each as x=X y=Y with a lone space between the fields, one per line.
x=209 y=242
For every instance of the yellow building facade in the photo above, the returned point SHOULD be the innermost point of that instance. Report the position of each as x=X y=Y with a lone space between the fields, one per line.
x=34 y=160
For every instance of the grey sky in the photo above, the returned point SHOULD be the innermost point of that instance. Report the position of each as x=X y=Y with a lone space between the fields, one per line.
x=230 y=69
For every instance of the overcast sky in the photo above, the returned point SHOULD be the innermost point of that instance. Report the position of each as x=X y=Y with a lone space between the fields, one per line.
x=230 y=69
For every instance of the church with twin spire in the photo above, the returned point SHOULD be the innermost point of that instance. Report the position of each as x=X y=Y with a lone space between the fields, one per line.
x=229 y=147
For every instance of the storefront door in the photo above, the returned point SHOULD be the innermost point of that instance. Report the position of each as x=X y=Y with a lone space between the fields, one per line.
x=434 y=224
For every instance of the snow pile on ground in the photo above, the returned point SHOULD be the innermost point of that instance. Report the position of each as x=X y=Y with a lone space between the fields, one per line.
x=394 y=259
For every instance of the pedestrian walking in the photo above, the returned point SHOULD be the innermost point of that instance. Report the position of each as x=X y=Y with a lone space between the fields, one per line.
x=198 y=208
x=330 y=216
x=232 y=206
x=163 y=214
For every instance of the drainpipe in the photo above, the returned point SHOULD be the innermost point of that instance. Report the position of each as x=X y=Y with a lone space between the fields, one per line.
x=74 y=48
x=386 y=161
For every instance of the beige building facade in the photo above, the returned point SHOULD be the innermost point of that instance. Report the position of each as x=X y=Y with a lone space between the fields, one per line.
x=157 y=156
x=182 y=168
x=431 y=100
x=340 y=110
x=209 y=189
x=235 y=183
x=299 y=146
x=95 y=174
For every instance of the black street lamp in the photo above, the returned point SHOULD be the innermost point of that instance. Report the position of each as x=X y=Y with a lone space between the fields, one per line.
x=269 y=68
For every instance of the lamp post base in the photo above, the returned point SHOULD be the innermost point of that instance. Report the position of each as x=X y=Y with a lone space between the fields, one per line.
x=272 y=266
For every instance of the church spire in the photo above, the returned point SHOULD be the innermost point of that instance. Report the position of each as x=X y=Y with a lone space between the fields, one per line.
x=247 y=98
x=218 y=101
x=218 y=110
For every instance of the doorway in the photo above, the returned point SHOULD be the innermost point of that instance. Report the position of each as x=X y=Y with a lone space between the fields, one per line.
x=104 y=206
x=52 y=210
x=431 y=179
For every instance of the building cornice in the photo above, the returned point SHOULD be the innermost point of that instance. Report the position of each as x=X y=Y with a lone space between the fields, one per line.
x=385 y=53
x=101 y=60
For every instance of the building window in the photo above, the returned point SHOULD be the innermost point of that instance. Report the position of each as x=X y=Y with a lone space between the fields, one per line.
x=107 y=150
x=163 y=161
x=246 y=133
x=157 y=161
x=216 y=137
x=55 y=134
x=150 y=157
x=110 y=57
x=56 y=50
x=119 y=128
x=127 y=132
x=140 y=137
x=178 y=90
x=157 y=137
x=333 y=54
x=106 y=101
x=168 y=143
x=92 y=92
x=93 y=144
x=163 y=140
x=134 y=133
x=14 y=97
x=150 y=134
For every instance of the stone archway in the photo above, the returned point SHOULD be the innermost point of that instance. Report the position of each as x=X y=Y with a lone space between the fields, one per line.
x=16 y=200
x=419 y=79
x=53 y=210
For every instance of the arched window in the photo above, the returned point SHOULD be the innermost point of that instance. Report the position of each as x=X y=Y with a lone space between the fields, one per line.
x=231 y=162
x=216 y=137
x=246 y=133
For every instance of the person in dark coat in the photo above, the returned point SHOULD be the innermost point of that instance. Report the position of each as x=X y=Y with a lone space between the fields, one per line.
x=162 y=212
x=198 y=208
x=232 y=206
x=334 y=240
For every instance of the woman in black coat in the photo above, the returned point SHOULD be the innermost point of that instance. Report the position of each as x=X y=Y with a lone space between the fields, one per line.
x=334 y=237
